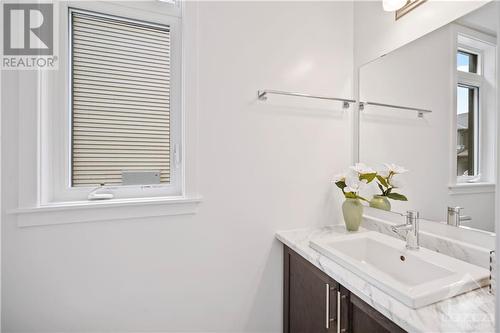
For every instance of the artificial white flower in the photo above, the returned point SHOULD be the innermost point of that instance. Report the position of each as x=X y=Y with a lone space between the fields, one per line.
x=396 y=181
x=339 y=177
x=352 y=182
x=394 y=168
x=354 y=190
x=362 y=168
x=384 y=172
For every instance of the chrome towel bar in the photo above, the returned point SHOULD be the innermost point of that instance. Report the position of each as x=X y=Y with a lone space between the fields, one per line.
x=262 y=95
x=420 y=112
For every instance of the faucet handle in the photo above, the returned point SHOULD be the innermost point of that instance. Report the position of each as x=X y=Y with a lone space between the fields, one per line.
x=413 y=236
x=456 y=209
x=453 y=216
x=412 y=216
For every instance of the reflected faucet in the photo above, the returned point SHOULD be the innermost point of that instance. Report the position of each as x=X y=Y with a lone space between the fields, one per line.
x=454 y=218
x=411 y=228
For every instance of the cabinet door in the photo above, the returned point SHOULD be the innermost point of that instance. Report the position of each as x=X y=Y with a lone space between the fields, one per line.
x=310 y=297
x=363 y=318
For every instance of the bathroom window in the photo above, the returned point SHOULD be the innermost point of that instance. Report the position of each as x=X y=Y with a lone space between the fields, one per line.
x=120 y=102
x=467 y=61
x=94 y=112
x=467 y=130
x=121 y=124
x=468 y=114
x=475 y=111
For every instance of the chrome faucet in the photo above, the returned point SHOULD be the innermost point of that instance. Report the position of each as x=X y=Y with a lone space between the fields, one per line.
x=454 y=218
x=411 y=228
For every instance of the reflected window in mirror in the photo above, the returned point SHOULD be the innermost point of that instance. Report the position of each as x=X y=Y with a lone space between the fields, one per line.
x=467 y=131
x=475 y=63
x=467 y=61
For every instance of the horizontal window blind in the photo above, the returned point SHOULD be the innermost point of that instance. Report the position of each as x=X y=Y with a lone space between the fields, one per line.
x=120 y=78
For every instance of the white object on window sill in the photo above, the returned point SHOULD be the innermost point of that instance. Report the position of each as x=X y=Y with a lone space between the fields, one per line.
x=469 y=179
x=113 y=209
x=471 y=188
x=100 y=193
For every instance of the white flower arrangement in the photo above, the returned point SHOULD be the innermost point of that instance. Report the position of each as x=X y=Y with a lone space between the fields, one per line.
x=354 y=180
x=358 y=175
x=388 y=179
x=362 y=168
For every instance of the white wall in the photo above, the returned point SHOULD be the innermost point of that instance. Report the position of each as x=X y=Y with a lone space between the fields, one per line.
x=377 y=32
x=261 y=167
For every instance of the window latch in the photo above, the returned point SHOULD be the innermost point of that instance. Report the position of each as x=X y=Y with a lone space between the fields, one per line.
x=100 y=193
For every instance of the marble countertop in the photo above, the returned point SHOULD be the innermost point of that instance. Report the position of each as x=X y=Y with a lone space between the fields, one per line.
x=472 y=312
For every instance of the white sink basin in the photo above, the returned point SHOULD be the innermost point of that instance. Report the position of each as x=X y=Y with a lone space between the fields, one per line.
x=416 y=278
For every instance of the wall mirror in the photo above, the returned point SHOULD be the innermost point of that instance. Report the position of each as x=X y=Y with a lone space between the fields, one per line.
x=449 y=152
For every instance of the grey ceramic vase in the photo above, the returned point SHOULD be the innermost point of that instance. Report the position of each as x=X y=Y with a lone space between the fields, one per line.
x=380 y=202
x=353 y=214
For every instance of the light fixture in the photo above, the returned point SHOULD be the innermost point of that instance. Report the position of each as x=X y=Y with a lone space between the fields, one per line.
x=393 y=5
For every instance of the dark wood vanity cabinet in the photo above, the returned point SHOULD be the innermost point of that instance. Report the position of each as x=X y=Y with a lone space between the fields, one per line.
x=310 y=297
x=315 y=303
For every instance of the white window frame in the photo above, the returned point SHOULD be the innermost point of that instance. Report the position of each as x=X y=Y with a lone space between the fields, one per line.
x=473 y=80
x=472 y=50
x=36 y=204
x=55 y=168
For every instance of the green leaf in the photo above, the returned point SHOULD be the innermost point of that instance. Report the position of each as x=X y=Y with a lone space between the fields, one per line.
x=397 y=196
x=382 y=181
x=351 y=195
x=361 y=198
x=389 y=190
x=368 y=176
x=381 y=189
x=341 y=184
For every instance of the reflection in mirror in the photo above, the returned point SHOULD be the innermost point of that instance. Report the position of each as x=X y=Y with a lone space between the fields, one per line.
x=467 y=128
x=450 y=151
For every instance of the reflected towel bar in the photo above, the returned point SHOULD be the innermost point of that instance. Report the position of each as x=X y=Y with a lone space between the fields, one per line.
x=262 y=95
x=420 y=112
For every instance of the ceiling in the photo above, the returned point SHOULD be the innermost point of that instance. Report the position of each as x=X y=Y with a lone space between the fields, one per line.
x=485 y=18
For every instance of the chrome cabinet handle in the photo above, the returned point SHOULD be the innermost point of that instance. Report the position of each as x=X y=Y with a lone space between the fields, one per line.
x=338 y=310
x=327 y=306
x=341 y=330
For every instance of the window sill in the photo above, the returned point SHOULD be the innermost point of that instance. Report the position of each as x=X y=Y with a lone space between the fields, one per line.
x=471 y=188
x=115 y=209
